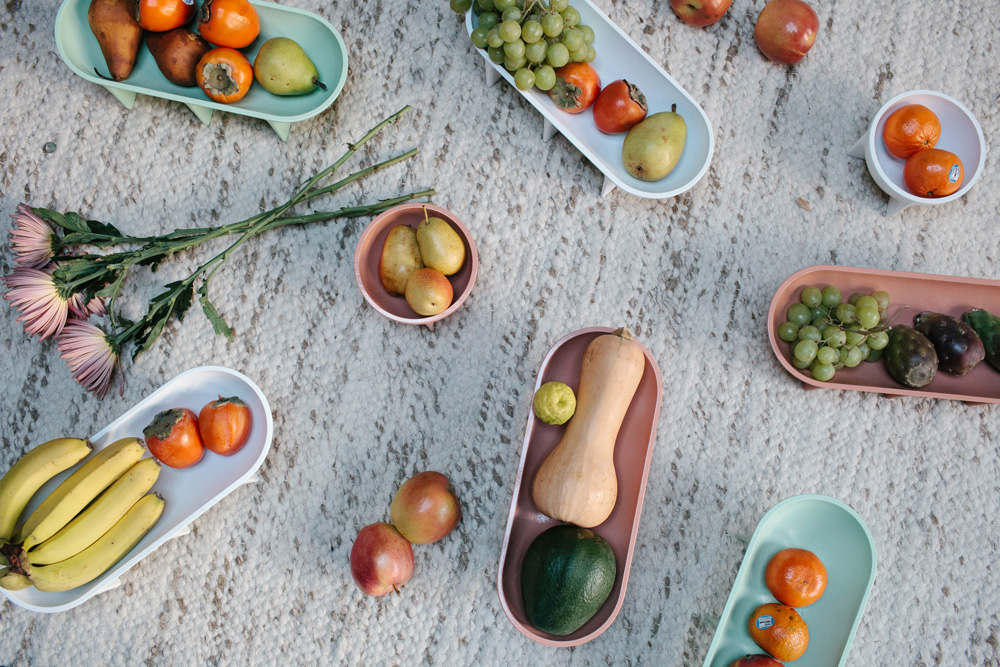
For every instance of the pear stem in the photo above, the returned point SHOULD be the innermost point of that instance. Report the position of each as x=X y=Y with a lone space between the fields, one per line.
x=319 y=83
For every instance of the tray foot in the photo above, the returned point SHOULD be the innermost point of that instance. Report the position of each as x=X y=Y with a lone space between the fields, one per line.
x=858 y=149
x=204 y=114
x=711 y=620
x=110 y=585
x=548 y=129
x=126 y=97
x=492 y=75
x=430 y=325
x=896 y=205
x=186 y=530
x=280 y=128
x=253 y=479
x=607 y=187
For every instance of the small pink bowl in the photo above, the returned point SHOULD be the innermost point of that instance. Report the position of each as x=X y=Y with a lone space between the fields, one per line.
x=369 y=251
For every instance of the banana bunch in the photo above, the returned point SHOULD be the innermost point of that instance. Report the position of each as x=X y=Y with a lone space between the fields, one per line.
x=88 y=522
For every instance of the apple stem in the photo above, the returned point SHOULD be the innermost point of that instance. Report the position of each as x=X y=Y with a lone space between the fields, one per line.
x=395 y=589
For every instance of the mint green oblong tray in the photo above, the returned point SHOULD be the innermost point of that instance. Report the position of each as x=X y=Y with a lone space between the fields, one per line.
x=322 y=43
x=841 y=539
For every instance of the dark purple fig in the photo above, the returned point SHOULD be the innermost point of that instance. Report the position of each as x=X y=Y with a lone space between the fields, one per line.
x=910 y=357
x=958 y=346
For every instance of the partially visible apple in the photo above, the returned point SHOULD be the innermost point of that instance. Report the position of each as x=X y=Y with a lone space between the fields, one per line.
x=755 y=661
x=700 y=12
x=428 y=292
x=424 y=509
x=381 y=559
x=786 y=30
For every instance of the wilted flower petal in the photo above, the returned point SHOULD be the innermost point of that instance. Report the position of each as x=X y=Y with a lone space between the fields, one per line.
x=43 y=309
x=91 y=356
x=32 y=239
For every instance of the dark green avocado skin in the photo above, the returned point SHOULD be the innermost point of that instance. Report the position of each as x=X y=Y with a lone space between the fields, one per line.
x=566 y=576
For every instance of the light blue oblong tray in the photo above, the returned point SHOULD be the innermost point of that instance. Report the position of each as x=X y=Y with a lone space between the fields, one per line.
x=841 y=539
x=322 y=43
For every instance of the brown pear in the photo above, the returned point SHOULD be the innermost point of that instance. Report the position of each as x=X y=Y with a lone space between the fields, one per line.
x=118 y=34
x=177 y=53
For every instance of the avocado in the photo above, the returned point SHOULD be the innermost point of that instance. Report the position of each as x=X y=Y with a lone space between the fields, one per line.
x=566 y=576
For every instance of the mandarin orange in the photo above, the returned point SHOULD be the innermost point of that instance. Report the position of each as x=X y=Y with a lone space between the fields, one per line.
x=796 y=577
x=933 y=173
x=910 y=129
x=779 y=630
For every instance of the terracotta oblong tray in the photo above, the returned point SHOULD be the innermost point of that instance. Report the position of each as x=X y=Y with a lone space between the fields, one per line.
x=917 y=292
x=322 y=43
x=618 y=57
x=839 y=536
x=186 y=493
x=633 y=451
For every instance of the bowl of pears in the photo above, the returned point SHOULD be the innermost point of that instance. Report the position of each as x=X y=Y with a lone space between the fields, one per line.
x=416 y=263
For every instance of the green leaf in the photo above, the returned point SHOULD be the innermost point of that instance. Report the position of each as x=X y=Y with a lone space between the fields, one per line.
x=176 y=300
x=213 y=316
x=74 y=222
x=103 y=228
x=55 y=217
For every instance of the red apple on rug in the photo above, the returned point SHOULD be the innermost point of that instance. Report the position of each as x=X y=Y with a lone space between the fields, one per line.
x=755 y=661
x=700 y=12
x=786 y=30
x=381 y=559
x=424 y=509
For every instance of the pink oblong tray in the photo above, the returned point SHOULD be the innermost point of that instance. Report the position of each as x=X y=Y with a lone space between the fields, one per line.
x=633 y=451
x=950 y=295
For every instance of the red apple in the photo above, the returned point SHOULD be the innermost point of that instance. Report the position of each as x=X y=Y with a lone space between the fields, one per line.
x=424 y=509
x=786 y=30
x=755 y=661
x=381 y=559
x=700 y=12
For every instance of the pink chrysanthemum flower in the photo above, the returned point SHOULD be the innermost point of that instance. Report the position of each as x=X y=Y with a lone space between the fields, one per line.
x=43 y=307
x=32 y=240
x=91 y=356
x=83 y=310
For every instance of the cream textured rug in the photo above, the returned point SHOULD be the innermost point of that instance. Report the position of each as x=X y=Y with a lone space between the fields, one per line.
x=361 y=403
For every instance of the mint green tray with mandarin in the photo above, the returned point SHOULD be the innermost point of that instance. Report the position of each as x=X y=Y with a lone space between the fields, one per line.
x=322 y=43
x=841 y=539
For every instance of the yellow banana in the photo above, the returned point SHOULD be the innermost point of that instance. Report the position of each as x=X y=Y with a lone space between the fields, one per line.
x=96 y=559
x=12 y=581
x=35 y=468
x=99 y=517
x=76 y=492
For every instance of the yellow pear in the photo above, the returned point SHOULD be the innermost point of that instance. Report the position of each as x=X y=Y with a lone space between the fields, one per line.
x=428 y=292
x=400 y=258
x=440 y=246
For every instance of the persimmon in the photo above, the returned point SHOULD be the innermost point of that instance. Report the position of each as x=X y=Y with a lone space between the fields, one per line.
x=224 y=74
x=933 y=172
x=232 y=23
x=224 y=425
x=173 y=439
x=796 y=577
x=779 y=630
x=163 y=15
x=910 y=129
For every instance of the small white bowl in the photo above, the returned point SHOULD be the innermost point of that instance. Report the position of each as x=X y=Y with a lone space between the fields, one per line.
x=960 y=134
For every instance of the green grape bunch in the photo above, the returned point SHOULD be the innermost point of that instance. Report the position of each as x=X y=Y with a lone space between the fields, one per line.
x=530 y=38
x=827 y=333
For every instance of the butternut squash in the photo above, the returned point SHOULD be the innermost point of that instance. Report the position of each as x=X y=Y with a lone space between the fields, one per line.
x=577 y=482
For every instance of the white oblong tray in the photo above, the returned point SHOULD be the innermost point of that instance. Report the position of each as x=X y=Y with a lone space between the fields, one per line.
x=187 y=493
x=618 y=57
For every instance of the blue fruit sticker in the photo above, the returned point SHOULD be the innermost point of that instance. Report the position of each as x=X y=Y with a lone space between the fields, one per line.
x=954 y=173
x=764 y=622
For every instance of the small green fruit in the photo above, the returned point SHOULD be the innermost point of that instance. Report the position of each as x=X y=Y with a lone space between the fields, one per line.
x=554 y=403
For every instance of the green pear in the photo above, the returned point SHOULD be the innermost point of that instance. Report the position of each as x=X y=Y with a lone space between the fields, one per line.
x=400 y=259
x=440 y=246
x=653 y=147
x=283 y=68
